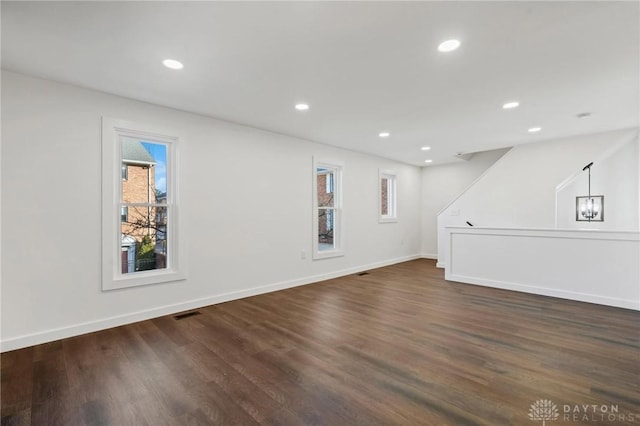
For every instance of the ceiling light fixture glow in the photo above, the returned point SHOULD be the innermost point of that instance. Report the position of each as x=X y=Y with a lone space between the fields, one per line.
x=449 y=45
x=302 y=107
x=511 y=105
x=384 y=134
x=172 y=64
x=425 y=148
x=534 y=129
x=428 y=161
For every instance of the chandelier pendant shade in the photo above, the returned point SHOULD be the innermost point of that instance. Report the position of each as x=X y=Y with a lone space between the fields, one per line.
x=591 y=207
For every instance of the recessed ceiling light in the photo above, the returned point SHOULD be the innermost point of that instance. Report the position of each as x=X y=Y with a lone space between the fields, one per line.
x=449 y=45
x=173 y=64
x=428 y=161
x=384 y=134
x=510 y=105
x=425 y=148
x=302 y=107
x=534 y=129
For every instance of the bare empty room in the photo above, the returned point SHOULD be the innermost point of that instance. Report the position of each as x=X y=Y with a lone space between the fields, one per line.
x=320 y=213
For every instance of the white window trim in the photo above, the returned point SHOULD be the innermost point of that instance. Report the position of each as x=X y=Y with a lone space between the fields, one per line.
x=338 y=222
x=112 y=277
x=392 y=192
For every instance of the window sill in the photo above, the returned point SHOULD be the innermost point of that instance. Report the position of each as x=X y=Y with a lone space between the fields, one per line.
x=136 y=279
x=387 y=220
x=327 y=254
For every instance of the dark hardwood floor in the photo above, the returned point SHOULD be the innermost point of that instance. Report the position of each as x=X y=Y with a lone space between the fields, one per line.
x=398 y=346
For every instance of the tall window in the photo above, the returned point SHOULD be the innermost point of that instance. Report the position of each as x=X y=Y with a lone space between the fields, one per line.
x=387 y=192
x=141 y=233
x=327 y=201
x=144 y=197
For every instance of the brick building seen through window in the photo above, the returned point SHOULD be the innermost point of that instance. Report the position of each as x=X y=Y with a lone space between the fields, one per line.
x=143 y=216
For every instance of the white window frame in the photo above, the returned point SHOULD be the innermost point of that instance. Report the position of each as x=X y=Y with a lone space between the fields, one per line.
x=338 y=226
x=392 y=196
x=112 y=276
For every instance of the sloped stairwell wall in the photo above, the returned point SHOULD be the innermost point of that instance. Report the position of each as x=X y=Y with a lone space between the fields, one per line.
x=520 y=189
x=616 y=175
x=441 y=184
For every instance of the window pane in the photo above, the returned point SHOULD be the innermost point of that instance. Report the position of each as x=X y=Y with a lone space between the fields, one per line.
x=384 y=196
x=146 y=170
x=159 y=153
x=327 y=200
x=143 y=239
x=325 y=183
x=388 y=197
x=161 y=237
x=326 y=220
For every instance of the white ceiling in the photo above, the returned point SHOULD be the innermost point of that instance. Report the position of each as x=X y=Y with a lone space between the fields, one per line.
x=364 y=67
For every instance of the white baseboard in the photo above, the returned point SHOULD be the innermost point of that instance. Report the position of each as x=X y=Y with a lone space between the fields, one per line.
x=433 y=256
x=545 y=291
x=115 y=321
x=440 y=265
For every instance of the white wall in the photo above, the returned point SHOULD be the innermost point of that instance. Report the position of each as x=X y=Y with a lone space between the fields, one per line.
x=616 y=175
x=246 y=196
x=591 y=266
x=441 y=185
x=519 y=190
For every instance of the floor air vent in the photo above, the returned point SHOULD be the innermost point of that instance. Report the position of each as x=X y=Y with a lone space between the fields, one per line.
x=186 y=315
x=362 y=273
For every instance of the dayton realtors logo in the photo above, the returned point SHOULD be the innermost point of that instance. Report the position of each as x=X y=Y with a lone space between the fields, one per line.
x=601 y=413
x=544 y=410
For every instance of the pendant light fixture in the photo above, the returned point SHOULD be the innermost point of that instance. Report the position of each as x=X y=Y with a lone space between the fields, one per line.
x=591 y=207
